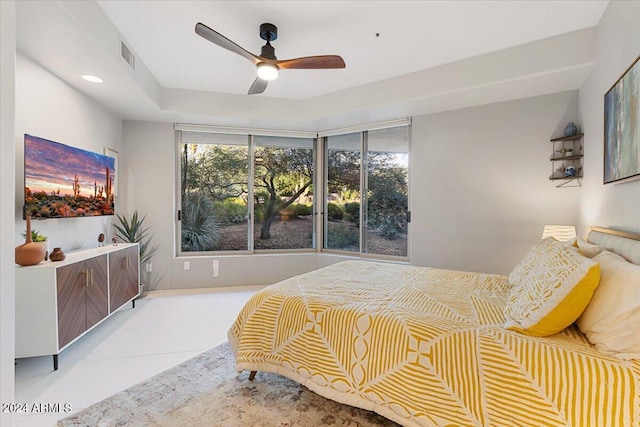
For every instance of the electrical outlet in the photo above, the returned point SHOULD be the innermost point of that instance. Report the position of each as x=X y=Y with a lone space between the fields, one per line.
x=216 y=268
x=187 y=265
x=148 y=267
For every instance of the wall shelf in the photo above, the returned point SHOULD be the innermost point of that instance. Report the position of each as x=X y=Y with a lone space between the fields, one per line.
x=567 y=152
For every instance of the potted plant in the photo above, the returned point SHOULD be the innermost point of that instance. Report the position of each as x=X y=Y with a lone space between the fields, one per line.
x=37 y=237
x=132 y=230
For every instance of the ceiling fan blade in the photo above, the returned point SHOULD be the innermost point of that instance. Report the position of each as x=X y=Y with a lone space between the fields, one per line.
x=313 y=62
x=258 y=86
x=217 y=38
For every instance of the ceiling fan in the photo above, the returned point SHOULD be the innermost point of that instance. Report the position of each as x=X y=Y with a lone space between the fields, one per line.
x=267 y=63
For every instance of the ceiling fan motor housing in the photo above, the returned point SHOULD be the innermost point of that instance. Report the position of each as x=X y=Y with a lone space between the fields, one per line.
x=268 y=32
x=268 y=51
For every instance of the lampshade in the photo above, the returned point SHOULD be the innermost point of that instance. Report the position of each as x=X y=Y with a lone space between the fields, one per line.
x=267 y=71
x=559 y=232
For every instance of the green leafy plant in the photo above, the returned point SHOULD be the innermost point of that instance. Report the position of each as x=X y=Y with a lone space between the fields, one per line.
x=200 y=229
x=302 y=209
x=36 y=236
x=132 y=230
x=352 y=212
x=335 y=212
x=341 y=236
x=235 y=210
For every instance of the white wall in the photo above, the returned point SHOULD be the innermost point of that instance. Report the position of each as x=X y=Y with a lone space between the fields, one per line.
x=49 y=108
x=618 y=45
x=7 y=223
x=480 y=193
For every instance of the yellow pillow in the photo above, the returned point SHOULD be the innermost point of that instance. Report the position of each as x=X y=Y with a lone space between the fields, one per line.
x=553 y=293
x=535 y=255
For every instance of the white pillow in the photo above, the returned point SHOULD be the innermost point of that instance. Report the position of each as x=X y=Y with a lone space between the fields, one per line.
x=611 y=321
x=588 y=249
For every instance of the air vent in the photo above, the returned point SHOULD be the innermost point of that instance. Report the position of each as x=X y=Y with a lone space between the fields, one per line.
x=127 y=55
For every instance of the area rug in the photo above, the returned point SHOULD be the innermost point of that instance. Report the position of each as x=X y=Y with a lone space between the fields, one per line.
x=208 y=391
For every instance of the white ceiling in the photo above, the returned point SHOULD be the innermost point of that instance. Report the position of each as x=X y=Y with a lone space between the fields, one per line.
x=427 y=55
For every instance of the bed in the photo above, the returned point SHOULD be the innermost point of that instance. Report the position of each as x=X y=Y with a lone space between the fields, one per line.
x=428 y=347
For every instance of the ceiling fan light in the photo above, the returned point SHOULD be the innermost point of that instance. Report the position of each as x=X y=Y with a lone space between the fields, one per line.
x=267 y=71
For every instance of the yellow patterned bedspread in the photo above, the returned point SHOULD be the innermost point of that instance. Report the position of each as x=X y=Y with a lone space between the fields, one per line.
x=426 y=347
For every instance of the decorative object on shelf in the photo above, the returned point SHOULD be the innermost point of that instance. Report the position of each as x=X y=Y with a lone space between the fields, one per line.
x=569 y=172
x=114 y=239
x=29 y=253
x=41 y=239
x=621 y=124
x=101 y=239
x=568 y=152
x=570 y=129
x=57 y=255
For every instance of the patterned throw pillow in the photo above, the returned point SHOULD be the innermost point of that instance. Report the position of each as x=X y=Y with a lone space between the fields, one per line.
x=552 y=293
x=532 y=258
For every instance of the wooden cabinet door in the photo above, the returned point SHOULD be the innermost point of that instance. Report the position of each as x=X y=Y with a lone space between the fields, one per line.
x=97 y=293
x=72 y=318
x=123 y=276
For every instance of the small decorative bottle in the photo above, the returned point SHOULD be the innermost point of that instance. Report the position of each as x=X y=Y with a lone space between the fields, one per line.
x=57 y=255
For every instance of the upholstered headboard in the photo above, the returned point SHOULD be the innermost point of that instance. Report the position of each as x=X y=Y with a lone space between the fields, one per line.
x=623 y=243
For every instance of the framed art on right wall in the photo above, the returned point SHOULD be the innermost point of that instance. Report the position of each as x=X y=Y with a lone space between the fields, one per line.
x=622 y=127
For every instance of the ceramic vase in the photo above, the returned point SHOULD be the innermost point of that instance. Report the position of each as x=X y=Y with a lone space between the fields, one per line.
x=570 y=130
x=45 y=245
x=57 y=255
x=29 y=253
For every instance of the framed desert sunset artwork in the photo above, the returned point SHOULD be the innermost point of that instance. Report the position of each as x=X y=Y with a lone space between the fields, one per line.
x=622 y=127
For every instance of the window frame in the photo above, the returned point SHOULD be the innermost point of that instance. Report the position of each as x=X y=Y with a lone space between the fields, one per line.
x=251 y=250
x=320 y=189
x=364 y=186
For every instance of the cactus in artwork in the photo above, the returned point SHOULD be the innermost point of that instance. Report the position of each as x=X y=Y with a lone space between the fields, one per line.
x=76 y=186
x=108 y=186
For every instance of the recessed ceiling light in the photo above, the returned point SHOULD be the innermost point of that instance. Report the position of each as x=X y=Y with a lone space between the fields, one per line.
x=92 y=79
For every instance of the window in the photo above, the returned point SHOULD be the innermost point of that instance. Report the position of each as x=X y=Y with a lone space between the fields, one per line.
x=283 y=193
x=387 y=191
x=367 y=195
x=220 y=211
x=214 y=192
x=342 y=210
x=243 y=193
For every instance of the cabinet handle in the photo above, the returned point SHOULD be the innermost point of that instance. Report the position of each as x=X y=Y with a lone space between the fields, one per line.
x=90 y=277
x=86 y=277
x=127 y=262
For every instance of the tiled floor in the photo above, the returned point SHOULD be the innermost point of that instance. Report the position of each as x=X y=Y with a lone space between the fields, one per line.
x=165 y=329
